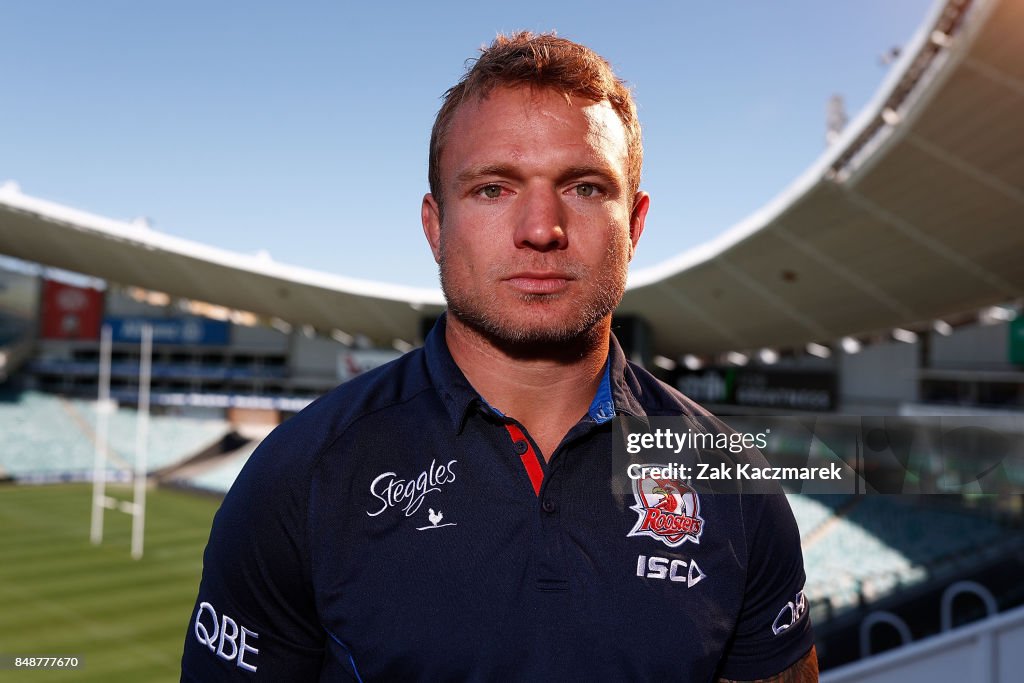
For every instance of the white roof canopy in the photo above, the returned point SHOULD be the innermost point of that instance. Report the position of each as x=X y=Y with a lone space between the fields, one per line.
x=915 y=213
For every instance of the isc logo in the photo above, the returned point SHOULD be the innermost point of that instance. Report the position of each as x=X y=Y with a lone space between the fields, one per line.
x=680 y=571
x=224 y=637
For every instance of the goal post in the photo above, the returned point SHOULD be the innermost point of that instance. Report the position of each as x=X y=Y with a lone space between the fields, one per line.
x=105 y=407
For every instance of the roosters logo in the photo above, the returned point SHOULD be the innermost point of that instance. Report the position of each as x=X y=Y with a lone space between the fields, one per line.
x=669 y=511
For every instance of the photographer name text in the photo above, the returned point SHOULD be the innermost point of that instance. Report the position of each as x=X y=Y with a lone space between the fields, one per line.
x=734 y=471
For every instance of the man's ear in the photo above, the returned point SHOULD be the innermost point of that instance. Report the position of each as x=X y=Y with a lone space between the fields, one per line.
x=430 y=215
x=641 y=203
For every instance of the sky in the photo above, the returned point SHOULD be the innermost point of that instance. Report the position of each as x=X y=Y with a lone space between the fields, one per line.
x=301 y=129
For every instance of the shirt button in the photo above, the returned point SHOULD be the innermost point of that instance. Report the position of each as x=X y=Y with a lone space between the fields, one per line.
x=548 y=505
x=520 y=447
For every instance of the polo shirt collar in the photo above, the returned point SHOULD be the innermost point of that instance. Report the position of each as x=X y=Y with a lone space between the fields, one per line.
x=614 y=395
x=624 y=386
x=457 y=394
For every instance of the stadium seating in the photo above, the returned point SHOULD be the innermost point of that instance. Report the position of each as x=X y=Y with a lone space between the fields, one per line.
x=50 y=438
x=876 y=544
x=41 y=439
x=171 y=438
x=856 y=549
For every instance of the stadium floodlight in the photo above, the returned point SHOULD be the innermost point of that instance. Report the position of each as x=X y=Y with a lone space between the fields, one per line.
x=941 y=39
x=942 y=327
x=905 y=336
x=243 y=318
x=891 y=116
x=402 y=346
x=996 y=314
x=835 y=119
x=819 y=350
x=342 y=337
x=692 y=362
x=664 y=363
x=737 y=358
x=768 y=356
x=281 y=326
x=212 y=311
x=308 y=331
x=851 y=345
x=837 y=176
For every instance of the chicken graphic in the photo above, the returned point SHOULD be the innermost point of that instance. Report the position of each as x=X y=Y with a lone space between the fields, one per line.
x=435 y=520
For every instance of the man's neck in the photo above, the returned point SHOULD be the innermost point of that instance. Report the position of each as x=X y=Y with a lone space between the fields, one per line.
x=547 y=390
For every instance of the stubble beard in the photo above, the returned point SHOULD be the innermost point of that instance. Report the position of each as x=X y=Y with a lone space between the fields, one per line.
x=528 y=328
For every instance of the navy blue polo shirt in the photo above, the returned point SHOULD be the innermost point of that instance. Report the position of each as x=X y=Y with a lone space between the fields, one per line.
x=401 y=529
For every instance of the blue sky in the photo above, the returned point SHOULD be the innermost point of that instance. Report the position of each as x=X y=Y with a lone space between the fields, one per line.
x=301 y=128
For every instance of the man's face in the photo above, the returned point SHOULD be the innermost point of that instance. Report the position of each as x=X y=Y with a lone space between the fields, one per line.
x=538 y=225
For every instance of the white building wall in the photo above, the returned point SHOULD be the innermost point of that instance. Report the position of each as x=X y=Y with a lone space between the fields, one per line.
x=878 y=378
x=975 y=346
x=258 y=338
x=989 y=651
x=313 y=356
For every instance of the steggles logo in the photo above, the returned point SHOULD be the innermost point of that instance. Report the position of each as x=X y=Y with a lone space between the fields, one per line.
x=668 y=509
x=408 y=494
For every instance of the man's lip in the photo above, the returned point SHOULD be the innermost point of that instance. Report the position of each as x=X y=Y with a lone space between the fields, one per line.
x=535 y=282
x=540 y=275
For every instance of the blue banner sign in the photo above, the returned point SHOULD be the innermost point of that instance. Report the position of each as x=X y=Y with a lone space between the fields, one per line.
x=176 y=331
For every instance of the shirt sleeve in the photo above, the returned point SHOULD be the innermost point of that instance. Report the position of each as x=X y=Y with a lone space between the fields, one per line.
x=255 y=617
x=774 y=627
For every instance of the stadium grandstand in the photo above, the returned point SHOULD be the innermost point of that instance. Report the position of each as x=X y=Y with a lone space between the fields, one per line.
x=886 y=282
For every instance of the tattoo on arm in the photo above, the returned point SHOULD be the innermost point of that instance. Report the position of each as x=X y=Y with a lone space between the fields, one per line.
x=804 y=670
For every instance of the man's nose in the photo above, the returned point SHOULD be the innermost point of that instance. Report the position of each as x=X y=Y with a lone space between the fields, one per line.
x=541 y=221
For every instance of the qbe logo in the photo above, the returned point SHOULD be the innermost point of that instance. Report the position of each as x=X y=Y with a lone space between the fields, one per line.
x=225 y=638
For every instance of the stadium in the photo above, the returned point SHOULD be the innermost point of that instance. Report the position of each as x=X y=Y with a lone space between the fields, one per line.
x=873 y=310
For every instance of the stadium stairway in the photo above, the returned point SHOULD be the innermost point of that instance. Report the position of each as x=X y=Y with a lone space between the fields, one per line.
x=207 y=459
x=214 y=471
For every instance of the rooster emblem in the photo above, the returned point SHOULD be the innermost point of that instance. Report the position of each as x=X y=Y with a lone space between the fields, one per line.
x=435 y=520
x=667 y=510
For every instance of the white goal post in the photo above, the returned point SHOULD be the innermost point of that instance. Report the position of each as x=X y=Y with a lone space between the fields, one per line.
x=105 y=407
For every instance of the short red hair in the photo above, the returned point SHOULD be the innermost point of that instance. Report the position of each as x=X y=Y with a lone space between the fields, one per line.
x=540 y=61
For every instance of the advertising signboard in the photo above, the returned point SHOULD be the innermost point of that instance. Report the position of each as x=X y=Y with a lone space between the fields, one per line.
x=70 y=312
x=171 y=331
x=1017 y=340
x=761 y=387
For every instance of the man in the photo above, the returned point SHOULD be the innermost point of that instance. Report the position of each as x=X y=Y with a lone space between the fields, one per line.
x=450 y=515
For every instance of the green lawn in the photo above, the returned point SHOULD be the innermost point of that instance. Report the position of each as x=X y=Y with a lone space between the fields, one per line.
x=59 y=595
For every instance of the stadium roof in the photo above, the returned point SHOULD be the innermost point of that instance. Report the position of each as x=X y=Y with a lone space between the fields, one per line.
x=132 y=254
x=915 y=213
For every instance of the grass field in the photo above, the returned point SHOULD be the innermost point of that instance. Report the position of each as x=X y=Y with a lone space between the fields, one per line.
x=59 y=595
